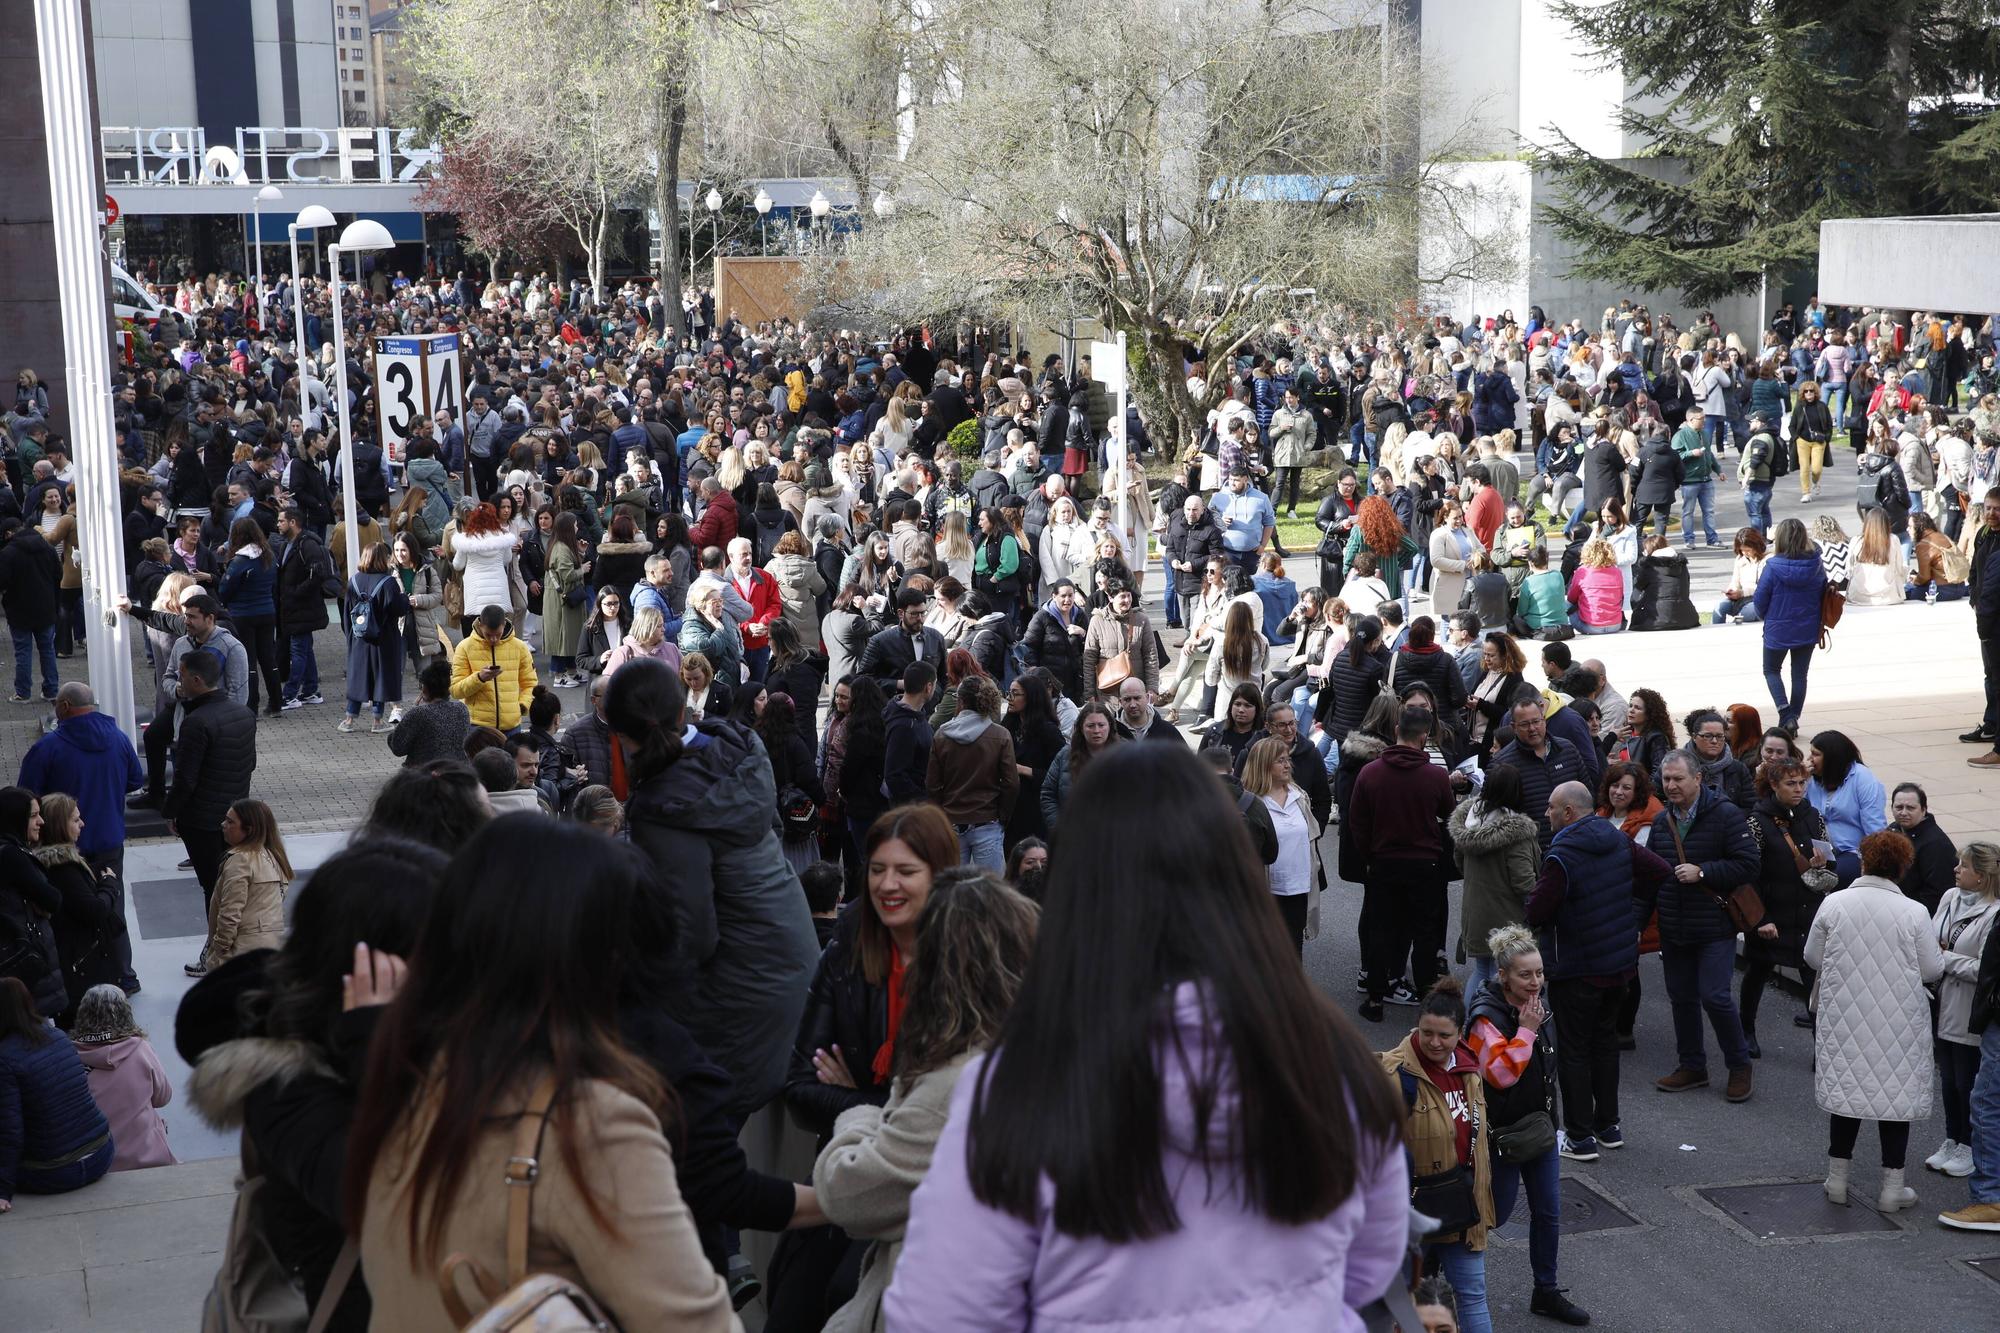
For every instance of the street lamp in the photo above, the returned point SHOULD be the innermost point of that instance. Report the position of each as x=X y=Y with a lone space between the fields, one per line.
x=311 y=218
x=361 y=236
x=820 y=208
x=762 y=203
x=885 y=207
x=270 y=194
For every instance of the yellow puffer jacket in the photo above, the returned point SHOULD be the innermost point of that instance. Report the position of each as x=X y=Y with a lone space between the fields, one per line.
x=1433 y=1139
x=497 y=702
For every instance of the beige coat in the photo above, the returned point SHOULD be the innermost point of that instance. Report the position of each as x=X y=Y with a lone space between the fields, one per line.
x=247 y=909
x=865 y=1175
x=651 y=1276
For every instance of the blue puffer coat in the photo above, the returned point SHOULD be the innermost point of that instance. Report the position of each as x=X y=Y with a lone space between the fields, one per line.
x=46 y=1110
x=1787 y=596
x=249 y=588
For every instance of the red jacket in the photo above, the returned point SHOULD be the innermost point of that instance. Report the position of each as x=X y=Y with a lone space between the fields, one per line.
x=717 y=525
x=1486 y=515
x=765 y=606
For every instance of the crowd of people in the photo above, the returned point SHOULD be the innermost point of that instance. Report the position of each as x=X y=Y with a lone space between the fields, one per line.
x=856 y=805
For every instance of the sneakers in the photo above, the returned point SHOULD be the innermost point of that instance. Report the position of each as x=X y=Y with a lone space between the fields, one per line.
x=1739 y=1085
x=744 y=1284
x=1683 y=1080
x=1550 y=1303
x=196 y=969
x=1400 y=993
x=1959 y=1165
x=346 y=724
x=1977 y=736
x=314 y=700
x=1972 y=1217
x=1577 y=1150
x=395 y=715
x=1371 y=1010
x=1361 y=981
x=187 y=863
x=292 y=705
x=1613 y=1137
x=1991 y=759
x=1943 y=1154
x=21 y=699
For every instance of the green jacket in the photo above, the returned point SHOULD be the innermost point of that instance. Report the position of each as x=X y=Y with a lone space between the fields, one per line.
x=1697 y=458
x=1755 y=465
x=1389 y=568
x=1544 y=600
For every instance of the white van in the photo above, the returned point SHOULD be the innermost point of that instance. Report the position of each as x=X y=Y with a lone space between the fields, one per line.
x=130 y=300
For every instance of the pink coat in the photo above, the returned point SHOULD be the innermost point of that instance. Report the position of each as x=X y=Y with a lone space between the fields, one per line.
x=128 y=1083
x=1598 y=594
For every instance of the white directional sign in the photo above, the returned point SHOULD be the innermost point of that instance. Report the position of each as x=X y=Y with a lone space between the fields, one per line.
x=414 y=378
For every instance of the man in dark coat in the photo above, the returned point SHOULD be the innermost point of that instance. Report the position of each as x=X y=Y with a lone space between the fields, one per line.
x=1192 y=540
x=305 y=580
x=1396 y=819
x=891 y=651
x=1713 y=850
x=215 y=752
x=30 y=574
x=1659 y=485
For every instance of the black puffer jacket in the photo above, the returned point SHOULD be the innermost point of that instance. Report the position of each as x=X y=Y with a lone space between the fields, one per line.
x=305 y=580
x=1788 y=903
x=1049 y=644
x=843 y=1010
x=215 y=752
x=1350 y=687
x=86 y=928
x=1437 y=671
x=1720 y=842
x=27 y=902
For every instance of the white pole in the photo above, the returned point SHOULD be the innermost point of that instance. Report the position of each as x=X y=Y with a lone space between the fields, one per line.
x=74 y=198
x=348 y=481
x=257 y=225
x=299 y=326
x=1121 y=445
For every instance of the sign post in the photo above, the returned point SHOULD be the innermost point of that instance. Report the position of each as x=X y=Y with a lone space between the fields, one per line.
x=415 y=377
x=1107 y=364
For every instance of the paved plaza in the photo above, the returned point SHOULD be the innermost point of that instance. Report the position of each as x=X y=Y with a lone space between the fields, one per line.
x=1710 y=1220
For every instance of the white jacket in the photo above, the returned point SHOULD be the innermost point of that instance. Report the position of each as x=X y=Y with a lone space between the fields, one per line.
x=483 y=562
x=1875 y=953
x=1961 y=924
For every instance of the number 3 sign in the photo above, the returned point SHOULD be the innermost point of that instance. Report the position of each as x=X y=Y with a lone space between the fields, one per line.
x=415 y=379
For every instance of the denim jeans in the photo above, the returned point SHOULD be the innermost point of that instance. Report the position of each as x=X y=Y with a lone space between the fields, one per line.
x=1698 y=493
x=981 y=845
x=1985 y=1184
x=1757 y=505
x=758 y=660
x=1698 y=981
x=1836 y=403
x=1543 y=1177
x=1714 y=429
x=304 y=678
x=1466 y=1271
x=1790 y=707
x=1484 y=970
x=1576 y=623
x=73 y=1176
x=39 y=642
x=1743 y=609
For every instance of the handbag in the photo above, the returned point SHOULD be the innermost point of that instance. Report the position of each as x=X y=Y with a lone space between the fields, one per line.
x=1112 y=670
x=1820 y=879
x=253 y=1291
x=1741 y=904
x=530 y=1303
x=1449 y=1195
x=798 y=814
x=1527 y=1138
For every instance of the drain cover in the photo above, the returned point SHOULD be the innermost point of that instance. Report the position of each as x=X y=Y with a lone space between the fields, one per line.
x=1989 y=1267
x=1795 y=1210
x=1584 y=1208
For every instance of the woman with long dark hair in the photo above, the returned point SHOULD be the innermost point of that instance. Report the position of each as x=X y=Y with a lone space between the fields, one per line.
x=1216 y=1137
x=564 y=570
x=1095 y=731
x=1849 y=799
x=701 y=810
x=57 y=1139
x=500 y=1047
x=1241 y=722
x=997 y=564
x=278 y=1045
x=1649 y=731
x=1038 y=739
x=1354 y=679
x=858 y=784
x=249 y=592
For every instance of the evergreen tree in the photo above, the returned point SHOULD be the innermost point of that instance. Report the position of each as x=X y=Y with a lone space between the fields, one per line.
x=1764 y=117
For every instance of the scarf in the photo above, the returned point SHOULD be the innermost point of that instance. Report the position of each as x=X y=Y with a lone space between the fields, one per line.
x=885 y=1058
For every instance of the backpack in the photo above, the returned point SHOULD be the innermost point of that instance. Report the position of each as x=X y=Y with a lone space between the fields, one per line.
x=364 y=617
x=530 y=1303
x=255 y=1293
x=1954 y=565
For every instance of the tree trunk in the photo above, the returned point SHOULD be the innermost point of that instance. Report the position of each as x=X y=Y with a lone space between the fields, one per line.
x=1159 y=385
x=667 y=200
x=600 y=246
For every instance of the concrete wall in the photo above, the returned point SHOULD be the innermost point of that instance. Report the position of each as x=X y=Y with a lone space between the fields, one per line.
x=1912 y=263
x=1473 y=93
x=146 y=61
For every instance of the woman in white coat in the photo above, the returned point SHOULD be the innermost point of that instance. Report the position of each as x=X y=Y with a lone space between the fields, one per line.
x=480 y=552
x=1875 y=952
x=1963 y=920
x=1066 y=545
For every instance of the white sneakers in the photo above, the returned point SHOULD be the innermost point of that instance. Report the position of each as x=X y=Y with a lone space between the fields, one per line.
x=1952 y=1158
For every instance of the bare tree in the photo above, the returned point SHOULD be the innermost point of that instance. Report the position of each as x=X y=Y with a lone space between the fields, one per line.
x=1189 y=174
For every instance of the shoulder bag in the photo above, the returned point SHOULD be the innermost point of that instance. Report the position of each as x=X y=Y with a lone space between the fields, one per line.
x=1742 y=905
x=1112 y=670
x=1449 y=1195
x=253 y=1291
x=530 y=1303
x=1820 y=879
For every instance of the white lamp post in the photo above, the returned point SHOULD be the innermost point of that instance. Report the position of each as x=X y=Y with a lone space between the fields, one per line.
x=714 y=205
x=270 y=194
x=820 y=208
x=311 y=218
x=763 y=205
x=360 y=237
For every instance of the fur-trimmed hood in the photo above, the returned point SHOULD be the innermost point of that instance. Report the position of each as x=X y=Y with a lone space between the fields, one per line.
x=624 y=548
x=1495 y=831
x=1359 y=748
x=57 y=853
x=230 y=1072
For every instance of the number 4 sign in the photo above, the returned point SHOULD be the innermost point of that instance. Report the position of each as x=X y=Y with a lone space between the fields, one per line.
x=415 y=378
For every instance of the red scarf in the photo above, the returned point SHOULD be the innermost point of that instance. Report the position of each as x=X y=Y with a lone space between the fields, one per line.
x=885 y=1058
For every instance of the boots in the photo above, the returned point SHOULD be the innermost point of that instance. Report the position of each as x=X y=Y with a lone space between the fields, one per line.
x=1895 y=1195
x=1836 y=1180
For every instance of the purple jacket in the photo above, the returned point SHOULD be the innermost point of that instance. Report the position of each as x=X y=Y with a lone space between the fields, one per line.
x=969 y=1267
